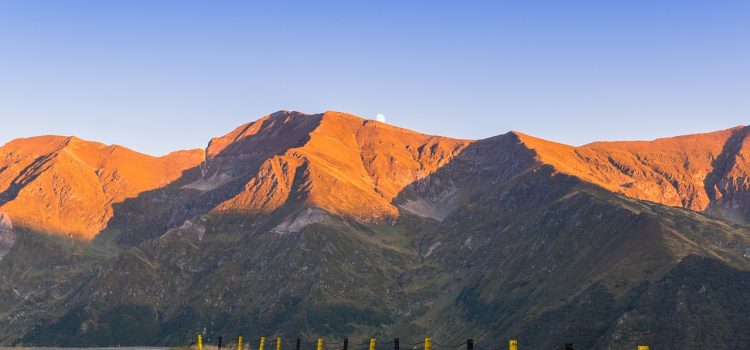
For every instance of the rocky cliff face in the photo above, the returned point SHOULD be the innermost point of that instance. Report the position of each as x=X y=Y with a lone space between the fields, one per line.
x=332 y=225
x=342 y=164
x=703 y=172
x=7 y=236
x=336 y=162
x=68 y=186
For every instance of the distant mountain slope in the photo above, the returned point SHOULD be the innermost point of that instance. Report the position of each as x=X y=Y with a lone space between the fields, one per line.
x=67 y=186
x=529 y=253
x=332 y=225
x=335 y=162
x=347 y=165
x=704 y=172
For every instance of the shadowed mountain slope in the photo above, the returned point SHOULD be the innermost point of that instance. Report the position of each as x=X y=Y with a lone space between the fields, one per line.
x=347 y=165
x=288 y=161
x=703 y=172
x=67 y=186
x=336 y=162
x=531 y=253
x=332 y=225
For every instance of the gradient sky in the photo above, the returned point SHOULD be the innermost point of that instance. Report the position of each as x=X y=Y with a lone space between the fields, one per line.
x=158 y=76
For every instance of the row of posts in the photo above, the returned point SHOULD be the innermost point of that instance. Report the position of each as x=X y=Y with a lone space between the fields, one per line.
x=512 y=344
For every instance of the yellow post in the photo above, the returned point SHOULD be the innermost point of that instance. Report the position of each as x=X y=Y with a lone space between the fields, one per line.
x=200 y=342
x=427 y=343
x=278 y=343
x=642 y=347
x=372 y=343
x=513 y=345
x=262 y=343
x=320 y=343
x=239 y=343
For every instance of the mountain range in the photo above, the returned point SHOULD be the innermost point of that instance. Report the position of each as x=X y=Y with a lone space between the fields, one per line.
x=333 y=225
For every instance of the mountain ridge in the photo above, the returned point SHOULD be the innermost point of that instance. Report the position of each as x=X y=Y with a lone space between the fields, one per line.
x=331 y=225
x=673 y=171
x=374 y=162
x=68 y=173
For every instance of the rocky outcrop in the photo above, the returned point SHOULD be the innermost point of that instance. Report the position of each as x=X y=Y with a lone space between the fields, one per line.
x=331 y=225
x=289 y=161
x=334 y=161
x=702 y=172
x=360 y=169
x=68 y=186
x=7 y=236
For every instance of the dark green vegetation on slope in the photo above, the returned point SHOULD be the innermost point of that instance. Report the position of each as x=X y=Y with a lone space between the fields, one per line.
x=511 y=248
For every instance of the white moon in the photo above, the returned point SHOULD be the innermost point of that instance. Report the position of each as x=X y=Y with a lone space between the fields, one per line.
x=380 y=118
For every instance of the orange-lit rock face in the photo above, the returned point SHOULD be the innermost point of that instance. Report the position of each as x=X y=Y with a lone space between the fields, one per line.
x=67 y=186
x=698 y=172
x=347 y=166
x=335 y=161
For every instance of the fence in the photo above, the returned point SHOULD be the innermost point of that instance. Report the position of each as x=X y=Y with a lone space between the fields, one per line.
x=426 y=344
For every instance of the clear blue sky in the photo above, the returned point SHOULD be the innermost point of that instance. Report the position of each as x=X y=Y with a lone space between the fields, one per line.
x=163 y=75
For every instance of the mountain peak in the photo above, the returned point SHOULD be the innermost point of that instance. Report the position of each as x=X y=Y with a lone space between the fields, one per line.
x=335 y=161
x=510 y=220
x=67 y=185
x=267 y=129
x=698 y=140
x=698 y=171
x=346 y=165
